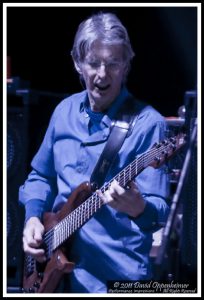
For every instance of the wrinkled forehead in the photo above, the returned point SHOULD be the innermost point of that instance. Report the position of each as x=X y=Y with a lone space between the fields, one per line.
x=105 y=49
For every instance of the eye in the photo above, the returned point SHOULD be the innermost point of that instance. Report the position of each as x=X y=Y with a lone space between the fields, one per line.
x=94 y=64
x=113 y=65
x=109 y=65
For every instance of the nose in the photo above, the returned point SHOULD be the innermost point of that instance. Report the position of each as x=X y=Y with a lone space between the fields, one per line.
x=102 y=70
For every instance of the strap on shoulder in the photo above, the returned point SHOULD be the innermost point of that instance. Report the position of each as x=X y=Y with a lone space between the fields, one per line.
x=120 y=129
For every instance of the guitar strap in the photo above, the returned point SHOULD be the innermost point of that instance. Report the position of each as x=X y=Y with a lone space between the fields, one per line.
x=121 y=128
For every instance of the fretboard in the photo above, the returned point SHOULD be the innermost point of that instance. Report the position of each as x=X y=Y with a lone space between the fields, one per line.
x=72 y=222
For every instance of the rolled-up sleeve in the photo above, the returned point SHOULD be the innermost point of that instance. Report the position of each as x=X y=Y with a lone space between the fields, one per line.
x=40 y=188
x=153 y=185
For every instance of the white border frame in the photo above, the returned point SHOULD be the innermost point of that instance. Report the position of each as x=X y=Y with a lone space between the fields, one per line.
x=5 y=5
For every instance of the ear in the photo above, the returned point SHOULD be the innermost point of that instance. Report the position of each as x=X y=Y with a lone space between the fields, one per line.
x=126 y=71
x=77 y=67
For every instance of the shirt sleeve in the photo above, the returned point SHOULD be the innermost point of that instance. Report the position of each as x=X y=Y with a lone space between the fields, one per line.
x=38 y=192
x=153 y=185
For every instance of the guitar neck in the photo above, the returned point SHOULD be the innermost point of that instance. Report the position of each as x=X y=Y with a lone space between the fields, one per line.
x=72 y=222
x=66 y=227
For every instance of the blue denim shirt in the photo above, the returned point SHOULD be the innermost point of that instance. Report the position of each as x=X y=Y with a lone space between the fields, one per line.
x=111 y=245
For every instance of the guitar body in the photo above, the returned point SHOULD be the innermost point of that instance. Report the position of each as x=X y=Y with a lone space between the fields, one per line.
x=45 y=277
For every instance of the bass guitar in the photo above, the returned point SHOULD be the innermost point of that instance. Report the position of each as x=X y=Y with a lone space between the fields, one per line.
x=80 y=207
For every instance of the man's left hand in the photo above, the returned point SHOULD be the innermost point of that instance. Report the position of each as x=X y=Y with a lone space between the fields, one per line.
x=129 y=200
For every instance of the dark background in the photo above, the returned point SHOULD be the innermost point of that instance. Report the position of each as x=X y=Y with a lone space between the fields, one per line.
x=39 y=41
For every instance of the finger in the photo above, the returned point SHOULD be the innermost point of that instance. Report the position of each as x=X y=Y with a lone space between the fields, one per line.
x=31 y=241
x=134 y=187
x=114 y=190
x=30 y=249
x=131 y=186
x=117 y=189
x=37 y=253
x=105 y=197
x=38 y=235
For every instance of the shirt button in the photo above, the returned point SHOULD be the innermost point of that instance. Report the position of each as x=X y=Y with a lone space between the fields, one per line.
x=79 y=169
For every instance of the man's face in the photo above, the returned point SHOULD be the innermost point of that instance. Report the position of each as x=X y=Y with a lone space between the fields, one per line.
x=103 y=71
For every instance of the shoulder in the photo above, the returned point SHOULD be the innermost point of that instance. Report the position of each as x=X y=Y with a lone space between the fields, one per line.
x=142 y=109
x=72 y=101
x=67 y=107
x=148 y=113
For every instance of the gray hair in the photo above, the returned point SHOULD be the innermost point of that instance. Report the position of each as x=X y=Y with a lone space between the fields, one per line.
x=105 y=27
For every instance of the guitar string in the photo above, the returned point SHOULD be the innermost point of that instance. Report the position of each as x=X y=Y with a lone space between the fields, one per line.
x=123 y=177
x=129 y=172
x=90 y=208
x=125 y=173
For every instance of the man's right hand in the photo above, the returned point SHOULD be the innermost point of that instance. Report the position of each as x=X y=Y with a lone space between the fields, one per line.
x=32 y=239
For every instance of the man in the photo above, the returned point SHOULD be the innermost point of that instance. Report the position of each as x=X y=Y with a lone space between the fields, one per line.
x=115 y=243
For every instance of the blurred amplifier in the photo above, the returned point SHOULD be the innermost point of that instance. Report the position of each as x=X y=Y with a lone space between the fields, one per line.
x=174 y=126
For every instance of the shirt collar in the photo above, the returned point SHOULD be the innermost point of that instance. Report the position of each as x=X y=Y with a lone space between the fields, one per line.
x=113 y=109
x=111 y=112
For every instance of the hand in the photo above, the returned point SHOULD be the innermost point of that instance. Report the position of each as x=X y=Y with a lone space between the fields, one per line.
x=32 y=239
x=129 y=201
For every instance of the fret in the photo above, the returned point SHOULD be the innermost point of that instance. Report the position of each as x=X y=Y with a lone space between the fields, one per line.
x=66 y=227
x=58 y=234
x=130 y=173
x=124 y=181
x=120 y=178
x=55 y=237
x=88 y=209
x=81 y=215
x=136 y=168
x=76 y=220
x=62 y=232
x=95 y=209
x=91 y=204
x=121 y=174
x=78 y=216
x=85 y=211
x=71 y=224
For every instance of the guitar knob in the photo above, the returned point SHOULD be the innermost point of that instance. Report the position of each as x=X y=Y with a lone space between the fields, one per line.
x=173 y=147
x=165 y=153
x=36 y=284
x=158 y=145
x=40 y=275
x=94 y=186
x=157 y=159
x=164 y=142
x=173 y=140
x=31 y=290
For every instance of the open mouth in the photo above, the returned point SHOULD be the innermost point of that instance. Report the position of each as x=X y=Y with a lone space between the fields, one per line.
x=102 y=88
